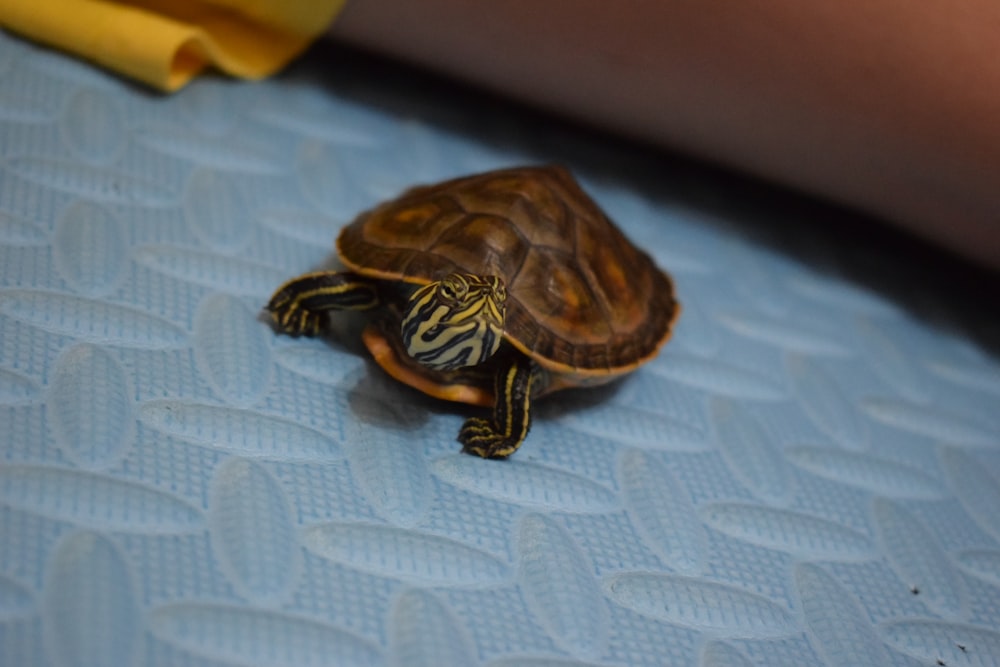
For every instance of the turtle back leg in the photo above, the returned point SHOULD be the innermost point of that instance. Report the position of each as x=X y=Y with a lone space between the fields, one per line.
x=299 y=307
x=501 y=435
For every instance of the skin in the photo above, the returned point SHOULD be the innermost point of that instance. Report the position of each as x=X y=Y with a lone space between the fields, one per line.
x=890 y=106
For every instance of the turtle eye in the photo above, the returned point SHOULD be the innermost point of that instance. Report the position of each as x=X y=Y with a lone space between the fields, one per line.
x=452 y=289
x=446 y=292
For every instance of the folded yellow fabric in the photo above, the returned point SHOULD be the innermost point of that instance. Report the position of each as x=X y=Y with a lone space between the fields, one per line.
x=164 y=43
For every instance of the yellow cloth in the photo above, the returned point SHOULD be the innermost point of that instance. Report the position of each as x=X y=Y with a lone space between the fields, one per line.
x=166 y=42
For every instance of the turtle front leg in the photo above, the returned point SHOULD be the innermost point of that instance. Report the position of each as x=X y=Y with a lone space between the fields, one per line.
x=500 y=436
x=299 y=306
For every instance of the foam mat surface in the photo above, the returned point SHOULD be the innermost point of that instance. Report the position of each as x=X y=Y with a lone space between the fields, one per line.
x=807 y=475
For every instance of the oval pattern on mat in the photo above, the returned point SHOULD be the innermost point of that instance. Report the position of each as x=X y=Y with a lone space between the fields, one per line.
x=840 y=626
x=797 y=533
x=662 y=512
x=391 y=471
x=91 y=320
x=719 y=378
x=983 y=563
x=89 y=248
x=232 y=275
x=324 y=181
x=309 y=227
x=215 y=210
x=90 y=407
x=751 y=452
x=16 y=599
x=862 y=470
x=718 y=654
x=16 y=388
x=95 y=500
x=526 y=484
x=424 y=633
x=245 y=636
x=93 y=182
x=232 y=349
x=92 y=125
x=825 y=403
x=540 y=661
x=919 y=558
x=89 y=605
x=558 y=584
x=784 y=334
x=401 y=553
x=932 y=640
x=975 y=488
x=641 y=428
x=243 y=432
x=891 y=363
x=229 y=154
x=252 y=531
x=928 y=421
x=980 y=374
x=702 y=605
x=21 y=232
x=699 y=604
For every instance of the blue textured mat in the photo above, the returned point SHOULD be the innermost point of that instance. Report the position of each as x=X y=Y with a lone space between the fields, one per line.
x=807 y=475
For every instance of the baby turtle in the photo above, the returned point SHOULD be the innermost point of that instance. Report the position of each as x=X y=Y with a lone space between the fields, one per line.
x=492 y=290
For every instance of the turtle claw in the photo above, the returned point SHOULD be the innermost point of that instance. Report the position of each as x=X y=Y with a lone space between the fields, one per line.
x=480 y=437
x=301 y=307
x=499 y=437
x=310 y=323
x=295 y=322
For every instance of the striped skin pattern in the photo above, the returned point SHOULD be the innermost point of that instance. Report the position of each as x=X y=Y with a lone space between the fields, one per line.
x=455 y=322
x=299 y=306
x=501 y=436
x=447 y=325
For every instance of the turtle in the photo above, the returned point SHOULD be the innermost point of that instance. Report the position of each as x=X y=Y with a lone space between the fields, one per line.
x=492 y=289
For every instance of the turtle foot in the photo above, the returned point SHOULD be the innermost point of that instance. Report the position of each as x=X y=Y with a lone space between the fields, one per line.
x=480 y=437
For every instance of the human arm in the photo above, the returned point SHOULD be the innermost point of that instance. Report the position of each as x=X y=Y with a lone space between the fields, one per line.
x=889 y=106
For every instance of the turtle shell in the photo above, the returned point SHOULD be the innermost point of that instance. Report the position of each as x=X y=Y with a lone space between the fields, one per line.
x=582 y=300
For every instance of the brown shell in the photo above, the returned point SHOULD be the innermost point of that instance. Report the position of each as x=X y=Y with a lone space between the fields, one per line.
x=582 y=300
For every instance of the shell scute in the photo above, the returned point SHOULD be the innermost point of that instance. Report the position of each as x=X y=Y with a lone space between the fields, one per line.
x=483 y=243
x=582 y=300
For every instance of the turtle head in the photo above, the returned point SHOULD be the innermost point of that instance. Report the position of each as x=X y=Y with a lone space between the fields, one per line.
x=456 y=321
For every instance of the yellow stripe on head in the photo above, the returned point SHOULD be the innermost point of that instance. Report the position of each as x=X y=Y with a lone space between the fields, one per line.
x=455 y=322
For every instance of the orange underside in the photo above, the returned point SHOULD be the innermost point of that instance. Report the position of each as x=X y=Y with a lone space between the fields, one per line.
x=385 y=356
x=414 y=375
